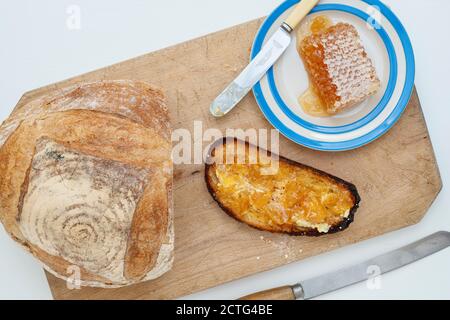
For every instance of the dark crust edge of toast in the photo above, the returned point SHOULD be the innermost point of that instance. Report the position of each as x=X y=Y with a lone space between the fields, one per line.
x=344 y=224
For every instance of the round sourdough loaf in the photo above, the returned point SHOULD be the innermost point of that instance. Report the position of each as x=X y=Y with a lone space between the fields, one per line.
x=86 y=182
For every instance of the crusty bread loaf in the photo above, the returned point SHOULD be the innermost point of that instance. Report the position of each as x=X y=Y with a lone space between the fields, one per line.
x=86 y=181
x=277 y=194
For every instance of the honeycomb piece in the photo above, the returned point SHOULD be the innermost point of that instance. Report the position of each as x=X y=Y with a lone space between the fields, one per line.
x=339 y=67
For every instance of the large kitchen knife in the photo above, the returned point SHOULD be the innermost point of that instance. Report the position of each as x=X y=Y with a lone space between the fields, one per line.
x=342 y=278
x=265 y=59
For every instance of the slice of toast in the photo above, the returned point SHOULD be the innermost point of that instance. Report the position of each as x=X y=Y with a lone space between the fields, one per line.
x=339 y=68
x=276 y=194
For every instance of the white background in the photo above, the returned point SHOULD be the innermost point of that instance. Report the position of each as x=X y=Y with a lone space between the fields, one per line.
x=37 y=48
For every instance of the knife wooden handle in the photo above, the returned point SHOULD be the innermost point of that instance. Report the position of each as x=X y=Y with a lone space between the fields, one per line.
x=300 y=11
x=282 y=293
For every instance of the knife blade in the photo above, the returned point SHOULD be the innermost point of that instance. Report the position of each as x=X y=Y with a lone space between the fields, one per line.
x=387 y=262
x=342 y=278
x=264 y=60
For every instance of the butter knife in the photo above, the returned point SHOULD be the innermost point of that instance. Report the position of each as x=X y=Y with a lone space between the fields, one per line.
x=333 y=281
x=265 y=59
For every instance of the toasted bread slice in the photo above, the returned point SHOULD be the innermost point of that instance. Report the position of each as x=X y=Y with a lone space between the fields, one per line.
x=276 y=194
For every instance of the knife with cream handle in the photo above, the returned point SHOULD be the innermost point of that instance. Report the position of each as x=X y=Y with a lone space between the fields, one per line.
x=320 y=285
x=265 y=59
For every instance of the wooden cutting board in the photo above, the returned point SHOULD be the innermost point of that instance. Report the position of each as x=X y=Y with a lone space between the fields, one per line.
x=397 y=175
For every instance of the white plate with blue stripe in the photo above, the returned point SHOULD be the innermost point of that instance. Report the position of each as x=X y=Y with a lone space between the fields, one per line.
x=390 y=50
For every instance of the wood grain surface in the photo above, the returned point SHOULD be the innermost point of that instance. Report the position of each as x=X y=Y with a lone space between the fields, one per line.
x=397 y=176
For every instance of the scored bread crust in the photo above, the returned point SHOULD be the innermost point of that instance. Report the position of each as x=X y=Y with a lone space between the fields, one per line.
x=291 y=230
x=104 y=147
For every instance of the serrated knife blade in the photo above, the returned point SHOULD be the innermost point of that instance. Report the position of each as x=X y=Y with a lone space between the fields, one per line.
x=385 y=263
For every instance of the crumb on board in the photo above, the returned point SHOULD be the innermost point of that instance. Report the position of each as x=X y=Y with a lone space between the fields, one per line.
x=284 y=247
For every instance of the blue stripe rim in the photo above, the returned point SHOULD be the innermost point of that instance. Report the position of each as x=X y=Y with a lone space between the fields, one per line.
x=369 y=137
x=375 y=111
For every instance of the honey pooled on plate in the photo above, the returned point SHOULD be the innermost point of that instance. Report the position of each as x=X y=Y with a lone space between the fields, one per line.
x=341 y=73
